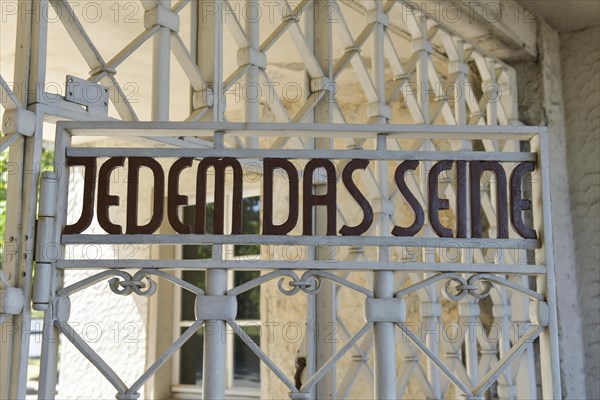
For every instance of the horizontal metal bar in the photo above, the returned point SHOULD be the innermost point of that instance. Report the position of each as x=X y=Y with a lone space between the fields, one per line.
x=330 y=265
x=301 y=154
x=193 y=239
x=136 y=128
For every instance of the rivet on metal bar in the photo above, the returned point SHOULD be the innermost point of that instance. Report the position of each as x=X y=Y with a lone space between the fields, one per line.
x=18 y=121
x=385 y=310
x=250 y=56
x=161 y=16
x=218 y=308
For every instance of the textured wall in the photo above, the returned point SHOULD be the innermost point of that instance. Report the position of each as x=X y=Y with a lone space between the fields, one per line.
x=580 y=59
x=569 y=317
x=541 y=103
x=113 y=325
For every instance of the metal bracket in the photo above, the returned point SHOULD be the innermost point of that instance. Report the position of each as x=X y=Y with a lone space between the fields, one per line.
x=539 y=314
x=385 y=310
x=379 y=109
x=378 y=17
x=11 y=300
x=218 y=308
x=88 y=94
x=161 y=16
x=249 y=56
x=18 y=121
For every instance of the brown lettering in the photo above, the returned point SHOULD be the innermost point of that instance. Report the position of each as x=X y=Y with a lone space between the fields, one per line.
x=269 y=166
x=362 y=201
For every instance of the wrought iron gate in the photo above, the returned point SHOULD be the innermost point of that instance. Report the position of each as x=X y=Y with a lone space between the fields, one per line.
x=412 y=58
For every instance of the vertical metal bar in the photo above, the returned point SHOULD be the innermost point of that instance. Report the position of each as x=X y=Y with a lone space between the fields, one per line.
x=208 y=48
x=325 y=300
x=384 y=333
x=383 y=287
x=209 y=53
x=50 y=344
x=422 y=44
x=251 y=79
x=215 y=346
x=213 y=376
x=30 y=66
x=549 y=352
x=161 y=70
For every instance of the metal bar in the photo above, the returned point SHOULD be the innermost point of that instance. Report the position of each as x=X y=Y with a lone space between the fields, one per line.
x=93 y=357
x=383 y=287
x=189 y=332
x=161 y=70
x=302 y=264
x=29 y=76
x=319 y=37
x=213 y=376
x=302 y=240
x=49 y=359
x=102 y=128
x=303 y=154
x=8 y=99
x=546 y=285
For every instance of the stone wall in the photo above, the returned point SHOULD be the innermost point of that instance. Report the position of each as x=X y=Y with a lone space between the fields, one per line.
x=580 y=60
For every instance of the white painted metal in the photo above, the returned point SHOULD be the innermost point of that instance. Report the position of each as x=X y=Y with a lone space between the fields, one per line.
x=445 y=373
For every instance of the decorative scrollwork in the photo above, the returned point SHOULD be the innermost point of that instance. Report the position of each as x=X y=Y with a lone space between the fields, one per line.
x=133 y=284
x=464 y=287
x=308 y=284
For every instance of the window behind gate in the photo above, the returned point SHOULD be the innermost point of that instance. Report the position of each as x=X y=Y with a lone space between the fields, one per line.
x=243 y=366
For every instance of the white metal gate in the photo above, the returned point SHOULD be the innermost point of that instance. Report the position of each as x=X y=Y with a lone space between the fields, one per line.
x=414 y=60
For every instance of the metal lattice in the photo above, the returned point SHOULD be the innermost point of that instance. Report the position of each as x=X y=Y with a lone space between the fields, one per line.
x=419 y=72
